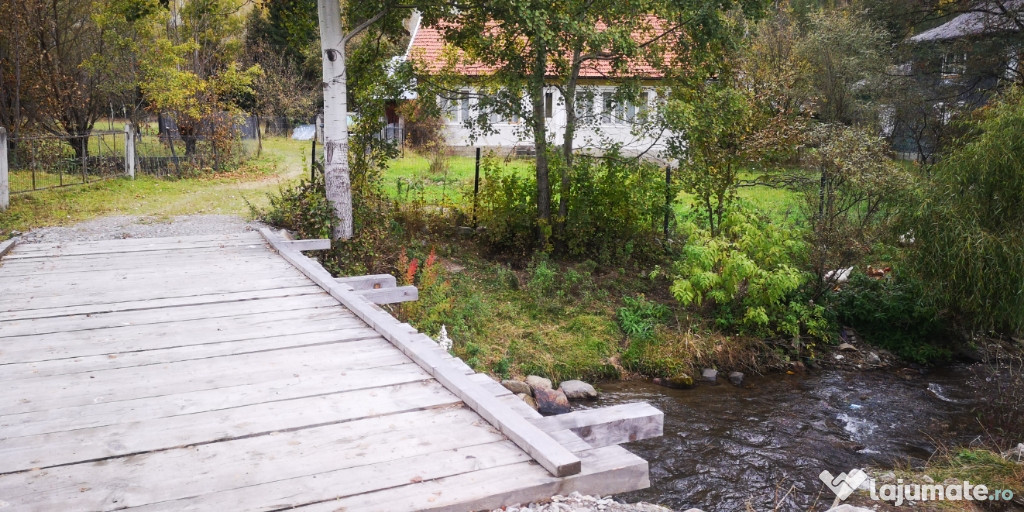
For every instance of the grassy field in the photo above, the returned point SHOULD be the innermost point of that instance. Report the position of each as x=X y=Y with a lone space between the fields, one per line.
x=409 y=178
x=281 y=162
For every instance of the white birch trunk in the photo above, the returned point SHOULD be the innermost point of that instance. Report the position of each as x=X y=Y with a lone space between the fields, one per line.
x=336 y=169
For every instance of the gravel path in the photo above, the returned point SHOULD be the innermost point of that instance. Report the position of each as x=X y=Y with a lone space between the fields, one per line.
x=121 y=226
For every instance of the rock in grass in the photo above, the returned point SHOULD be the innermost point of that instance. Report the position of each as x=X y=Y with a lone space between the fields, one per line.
x=736 y=378
x=578 y=390
x=536 y=382
x=709 y=375
x=517 y=387
x=528 y=399
x=551 y=402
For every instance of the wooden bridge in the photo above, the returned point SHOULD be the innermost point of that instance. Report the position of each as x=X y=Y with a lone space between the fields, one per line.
x=233 y=373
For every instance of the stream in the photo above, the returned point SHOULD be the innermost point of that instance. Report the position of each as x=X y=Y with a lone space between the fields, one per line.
x=726 y=447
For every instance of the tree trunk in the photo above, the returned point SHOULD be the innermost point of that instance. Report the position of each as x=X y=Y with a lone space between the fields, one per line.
x=569 y=95
x=540 y=143
x=336 y=168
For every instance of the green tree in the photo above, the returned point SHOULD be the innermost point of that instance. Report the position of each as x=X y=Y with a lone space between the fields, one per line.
x=531 y=44
x=969 y=230
x=192 y=72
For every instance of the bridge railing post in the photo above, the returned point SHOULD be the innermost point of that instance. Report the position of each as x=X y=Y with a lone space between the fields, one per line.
x=5 y=183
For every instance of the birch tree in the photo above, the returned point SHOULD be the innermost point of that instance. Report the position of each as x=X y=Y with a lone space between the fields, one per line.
x=337 y=172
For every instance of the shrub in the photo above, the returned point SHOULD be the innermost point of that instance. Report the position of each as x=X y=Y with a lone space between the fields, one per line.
x=893 y=313
x=969 y=230
x=748 y=278
x=639 y=316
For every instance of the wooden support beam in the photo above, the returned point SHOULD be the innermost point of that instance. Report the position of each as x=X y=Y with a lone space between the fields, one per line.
x=390 y=295
x=608 y=425
x=548 y=452
x=7 y=245
x=370 y=282
x=317 y=244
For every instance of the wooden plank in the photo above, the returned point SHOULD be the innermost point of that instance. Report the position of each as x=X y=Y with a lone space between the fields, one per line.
x=182 y=473
x=608 y=470
x=546 y=451
x=137 y=338
x=391 y=295
x=120 y=384
x=171 y=259
x=369 y=282
x=7 y=245
x=138 y=305
x=175 y=404
x=153 y=434
x=332 y=485
x=112 y=360
x=250 y=236
x=318 y=244
x=72 y=250
x=170 y=314
x=112 y=274
x=609 y=425
x=50 y=295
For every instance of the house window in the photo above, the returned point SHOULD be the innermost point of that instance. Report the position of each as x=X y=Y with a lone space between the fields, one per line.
x=584 y=103
x=464 y=107
x=549 y=105
x=954 y=63
x=613 y=112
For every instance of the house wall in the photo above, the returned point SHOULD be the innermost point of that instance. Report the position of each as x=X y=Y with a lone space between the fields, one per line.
x=601 y=123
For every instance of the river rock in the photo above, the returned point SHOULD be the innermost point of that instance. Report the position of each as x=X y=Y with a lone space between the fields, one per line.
x=578 y=390
x=847 y=347
x=709 y=375
x=528 y=399
x=872 y=358
x=517 y=387
x=736 y=378
x=536 y=382
x=678 y=381
x=551 y=402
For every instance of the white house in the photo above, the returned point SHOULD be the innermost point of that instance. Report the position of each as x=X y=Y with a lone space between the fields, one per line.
x=601 y=121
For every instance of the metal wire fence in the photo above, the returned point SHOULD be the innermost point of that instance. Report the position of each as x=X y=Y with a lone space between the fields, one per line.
x=45 y=161
x=41 y=162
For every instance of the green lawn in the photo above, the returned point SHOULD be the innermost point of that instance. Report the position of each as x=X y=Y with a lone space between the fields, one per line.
x=409 y=178
x=282 y=161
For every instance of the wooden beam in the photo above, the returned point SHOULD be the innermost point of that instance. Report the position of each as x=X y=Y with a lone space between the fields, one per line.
x=7 y=245
x=316 y=244
x=608 y=425
x=391 y=295
x=554 y=457
x=369 y=282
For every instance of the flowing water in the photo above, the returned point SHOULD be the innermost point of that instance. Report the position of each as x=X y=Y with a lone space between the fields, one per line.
x=726 y=447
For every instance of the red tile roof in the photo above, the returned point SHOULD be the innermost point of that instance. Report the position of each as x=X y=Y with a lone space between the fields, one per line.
x=428 y=49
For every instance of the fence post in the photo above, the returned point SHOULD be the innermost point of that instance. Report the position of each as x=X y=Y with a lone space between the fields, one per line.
x=5 y=184
x=476 y=185
x=129 y=150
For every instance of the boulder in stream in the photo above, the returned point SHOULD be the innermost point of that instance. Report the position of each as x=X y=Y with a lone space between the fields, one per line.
x=578 y=390
x=551 y=402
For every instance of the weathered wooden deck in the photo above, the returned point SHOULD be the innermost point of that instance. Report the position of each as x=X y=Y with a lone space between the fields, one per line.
x=215 y=373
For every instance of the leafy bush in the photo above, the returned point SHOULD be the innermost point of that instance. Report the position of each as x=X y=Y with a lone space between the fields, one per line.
x=748 y=278
x=508 y=211
x=893 y=313
x=302 y=209
x=969 y=231
x=639 y=316
x=615 y=209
